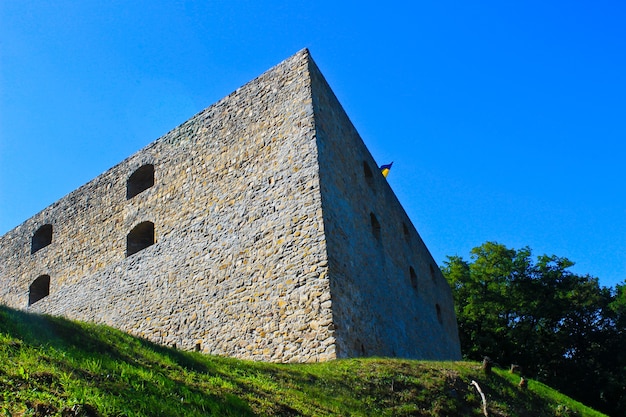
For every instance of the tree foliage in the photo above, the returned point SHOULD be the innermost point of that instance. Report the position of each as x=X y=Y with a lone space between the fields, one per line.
x=563 y=329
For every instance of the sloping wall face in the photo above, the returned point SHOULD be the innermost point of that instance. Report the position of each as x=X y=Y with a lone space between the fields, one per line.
x=389 y=297
x=228 y=249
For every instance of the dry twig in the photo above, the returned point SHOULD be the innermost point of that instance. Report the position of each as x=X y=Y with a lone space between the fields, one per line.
x=482 y=395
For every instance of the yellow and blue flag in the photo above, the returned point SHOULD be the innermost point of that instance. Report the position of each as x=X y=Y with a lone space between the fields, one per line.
x=385 y=169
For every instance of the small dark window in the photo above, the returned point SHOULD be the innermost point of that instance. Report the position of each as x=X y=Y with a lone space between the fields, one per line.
x=358 y=345
x=41 y=238
x=375 y=226
x=367 y=172
x=439 y=317
x=432 y=272
x=40 y=288
x=140 y=238
x=140 y=180
x=407 y=235
x=413 y=277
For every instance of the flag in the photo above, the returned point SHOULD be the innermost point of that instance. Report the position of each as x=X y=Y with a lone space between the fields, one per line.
x=385 y=169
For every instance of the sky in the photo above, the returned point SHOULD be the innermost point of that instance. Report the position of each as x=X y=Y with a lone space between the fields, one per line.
x=505 y=120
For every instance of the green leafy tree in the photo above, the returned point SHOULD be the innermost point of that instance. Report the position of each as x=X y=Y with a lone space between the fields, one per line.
x=563 y=329
x=614 y=358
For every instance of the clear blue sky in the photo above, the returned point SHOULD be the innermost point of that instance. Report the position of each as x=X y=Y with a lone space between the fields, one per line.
x=506 y=120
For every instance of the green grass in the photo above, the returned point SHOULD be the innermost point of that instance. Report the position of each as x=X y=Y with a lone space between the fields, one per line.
x=54 y=367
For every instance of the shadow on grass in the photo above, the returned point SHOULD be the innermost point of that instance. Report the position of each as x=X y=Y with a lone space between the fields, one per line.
x=111 y=350
x=125 y=375
x=60 y=333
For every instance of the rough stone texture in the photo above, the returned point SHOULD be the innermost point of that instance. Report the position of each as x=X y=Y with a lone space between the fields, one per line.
x=264 y=246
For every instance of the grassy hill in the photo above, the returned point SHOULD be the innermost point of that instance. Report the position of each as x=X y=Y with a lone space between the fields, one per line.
x=55 y=367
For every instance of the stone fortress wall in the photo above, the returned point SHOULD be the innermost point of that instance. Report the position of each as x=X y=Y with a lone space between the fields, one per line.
x=261 y=228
